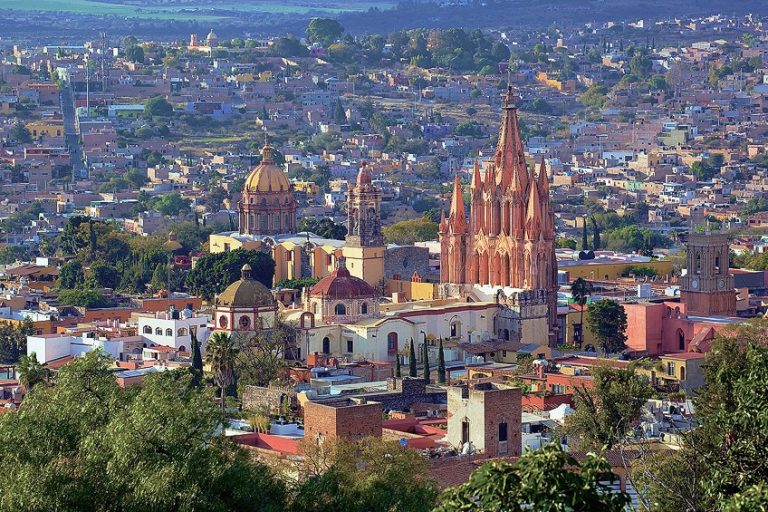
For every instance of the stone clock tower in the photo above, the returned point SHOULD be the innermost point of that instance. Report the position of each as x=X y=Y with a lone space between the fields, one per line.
x=708 y=287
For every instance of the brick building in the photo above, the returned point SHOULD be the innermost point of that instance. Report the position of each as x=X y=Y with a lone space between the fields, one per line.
x=487 y=416
x=346 y=418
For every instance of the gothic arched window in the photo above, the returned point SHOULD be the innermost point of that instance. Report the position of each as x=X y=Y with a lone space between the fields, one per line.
x=340 y=309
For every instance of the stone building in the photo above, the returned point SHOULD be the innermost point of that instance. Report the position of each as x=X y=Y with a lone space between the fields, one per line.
x=487 y=416
x=245 y=306
x=508 y=241
x=346 y=418
x=267 y=206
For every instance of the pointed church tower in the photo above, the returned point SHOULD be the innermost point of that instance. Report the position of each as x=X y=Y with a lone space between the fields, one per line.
x=454 y=238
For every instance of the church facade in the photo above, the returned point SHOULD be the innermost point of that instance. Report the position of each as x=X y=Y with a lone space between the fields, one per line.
x=507 y=243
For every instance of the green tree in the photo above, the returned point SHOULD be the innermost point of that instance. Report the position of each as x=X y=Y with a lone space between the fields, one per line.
x=425 y=357
x=398 y=370
x=595 y=97
x=412 y=370
x=20 y=133
x=324 y=31
x=441 y=364
x=366 y=476
x=13 y=253
x=544 y=480
x=30 y=372
x=214 y=272
x=408 y=232
x=83 y=298
x=581 y=289
x=179 y=462
x=135 y=53
x=104 y=275
x=607 y=321
x=158 y=106
x=13 y=340
x=324 y=227
x=221 y=355
x=584 y=239
x=172 y=204
x=606 y=411
x=197 y=359
x=71 y=275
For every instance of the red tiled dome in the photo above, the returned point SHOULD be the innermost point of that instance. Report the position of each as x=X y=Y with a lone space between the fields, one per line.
x=340 y=284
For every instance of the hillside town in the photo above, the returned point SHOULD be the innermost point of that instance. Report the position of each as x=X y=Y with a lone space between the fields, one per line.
x=452 y=248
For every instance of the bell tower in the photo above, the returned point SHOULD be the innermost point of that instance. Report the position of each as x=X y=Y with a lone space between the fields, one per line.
x=708 y=289
x=365 y=248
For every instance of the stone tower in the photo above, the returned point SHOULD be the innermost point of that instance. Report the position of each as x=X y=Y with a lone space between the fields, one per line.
x=708 y=289
x=364 y=249
x=364 y=212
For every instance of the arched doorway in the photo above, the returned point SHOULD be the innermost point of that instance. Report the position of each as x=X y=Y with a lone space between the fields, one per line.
x=680 y=339
x=326 y=345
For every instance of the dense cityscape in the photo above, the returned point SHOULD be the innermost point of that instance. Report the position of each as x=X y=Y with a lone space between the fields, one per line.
x=281 y=260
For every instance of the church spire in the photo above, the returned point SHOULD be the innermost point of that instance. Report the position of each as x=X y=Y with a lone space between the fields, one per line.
x=510 y=156
x=534 y=217
x=477 y=181
x=543 y=180
x=443 y=224
x=457 y=218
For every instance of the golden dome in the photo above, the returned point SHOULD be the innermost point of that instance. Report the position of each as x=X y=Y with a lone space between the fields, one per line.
x=267 y=176
x=246 y=293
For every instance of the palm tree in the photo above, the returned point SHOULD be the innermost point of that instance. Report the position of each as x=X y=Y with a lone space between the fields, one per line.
x=580 y=290
x=30 y=372
x=220 y=354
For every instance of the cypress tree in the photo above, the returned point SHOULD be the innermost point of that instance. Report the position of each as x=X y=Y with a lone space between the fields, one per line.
x=584 y=240
x=197 y=361
x=440 y=364
x=412 y=371
x=596 y=236
x=427 y=377
x=398 y=372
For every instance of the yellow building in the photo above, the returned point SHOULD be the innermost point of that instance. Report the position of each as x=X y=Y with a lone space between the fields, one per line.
x=610 y=269
x=46 y=129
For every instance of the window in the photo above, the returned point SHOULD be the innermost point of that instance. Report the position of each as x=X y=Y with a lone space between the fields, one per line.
x=503 y=431
x=181 y=332
x=364 y=308
x=289 y=256
x=147 y=329
x=350 y=346
x=182 y=348
x=680 y=339
x=169 y=332
x=223 y=322
x=340 y=309
x=159 y=331
x=682 y=373
x=671 y=368
x=245 y=322
x=326 y=345
x=392 y=342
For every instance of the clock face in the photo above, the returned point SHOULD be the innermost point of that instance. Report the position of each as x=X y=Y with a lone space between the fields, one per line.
x=695 y=284
x=721 y=284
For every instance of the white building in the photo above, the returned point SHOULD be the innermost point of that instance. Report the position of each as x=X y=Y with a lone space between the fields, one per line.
x=173 y=328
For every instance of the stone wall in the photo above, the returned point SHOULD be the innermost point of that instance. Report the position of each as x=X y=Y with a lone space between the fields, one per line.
x=255 y=397
x=406 y=260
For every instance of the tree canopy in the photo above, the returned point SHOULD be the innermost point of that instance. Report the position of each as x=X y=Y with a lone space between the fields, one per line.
x=543 y=480
x=214 y=272
x=607 y=321
x=408 y=232
x=178 y=462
